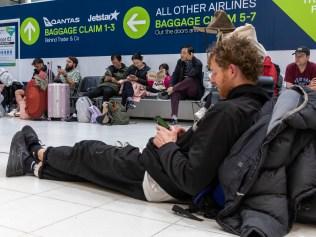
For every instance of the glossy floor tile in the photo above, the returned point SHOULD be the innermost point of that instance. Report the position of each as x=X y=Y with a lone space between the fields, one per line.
x=30 y=207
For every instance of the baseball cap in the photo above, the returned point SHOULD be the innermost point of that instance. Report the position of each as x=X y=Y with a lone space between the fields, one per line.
x=302 y=49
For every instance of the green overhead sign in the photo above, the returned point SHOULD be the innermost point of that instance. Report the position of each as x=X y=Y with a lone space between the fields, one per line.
x=30 y=31
x=136 y=22
x=302 y=12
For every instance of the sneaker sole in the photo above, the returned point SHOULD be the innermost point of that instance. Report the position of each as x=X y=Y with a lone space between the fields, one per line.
x=29 y=130
x=15 y=161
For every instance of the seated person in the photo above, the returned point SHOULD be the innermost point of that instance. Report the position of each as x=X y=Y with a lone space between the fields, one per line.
x=160 y=81
x=8 y=86
x=136 y=81
x=176 y=164
x=21 y=100
x=186 y=80
x=33 y=107
x=110 y=85
x=279 y=85
x=2 y=112
x=70 y=74
x=302 y=71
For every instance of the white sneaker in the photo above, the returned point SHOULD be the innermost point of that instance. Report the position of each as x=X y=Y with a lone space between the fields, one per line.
x=12 y=113
x=200 y=113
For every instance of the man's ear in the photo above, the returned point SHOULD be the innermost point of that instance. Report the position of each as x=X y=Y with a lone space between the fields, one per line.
x=232 y=70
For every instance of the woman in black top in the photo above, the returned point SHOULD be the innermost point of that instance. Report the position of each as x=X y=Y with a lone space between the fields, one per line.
x=137 y=72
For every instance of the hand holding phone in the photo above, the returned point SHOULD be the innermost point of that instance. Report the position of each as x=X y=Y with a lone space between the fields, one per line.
x=164 y=135
x=161 y=122
x=132 y=77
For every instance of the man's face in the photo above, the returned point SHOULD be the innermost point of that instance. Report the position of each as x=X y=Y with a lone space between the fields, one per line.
x=301 y=59
x=221 y=79
x=138 y=63
x=185 y=56
x=69 y=65
x=116 y=63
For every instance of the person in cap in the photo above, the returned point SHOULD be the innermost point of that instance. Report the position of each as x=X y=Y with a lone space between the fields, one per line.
x=302 y=71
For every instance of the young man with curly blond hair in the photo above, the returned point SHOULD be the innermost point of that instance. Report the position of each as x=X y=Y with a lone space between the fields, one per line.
x=176 y=164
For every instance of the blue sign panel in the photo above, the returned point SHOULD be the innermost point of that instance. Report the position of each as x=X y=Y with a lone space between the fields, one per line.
x=96 y=28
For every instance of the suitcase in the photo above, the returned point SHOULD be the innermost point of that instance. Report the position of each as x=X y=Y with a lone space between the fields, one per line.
x=58 y=101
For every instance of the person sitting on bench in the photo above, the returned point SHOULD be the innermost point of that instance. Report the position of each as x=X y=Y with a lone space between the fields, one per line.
x=186 y=80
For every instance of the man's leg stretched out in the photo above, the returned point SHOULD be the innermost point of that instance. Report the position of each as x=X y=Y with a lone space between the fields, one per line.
x=175 y=163
x=117 y=168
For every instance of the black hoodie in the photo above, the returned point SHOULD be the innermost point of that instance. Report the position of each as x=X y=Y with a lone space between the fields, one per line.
x=140 y=73
x=186 y=167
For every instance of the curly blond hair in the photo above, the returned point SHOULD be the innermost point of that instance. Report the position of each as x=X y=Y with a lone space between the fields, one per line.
x=240 y=52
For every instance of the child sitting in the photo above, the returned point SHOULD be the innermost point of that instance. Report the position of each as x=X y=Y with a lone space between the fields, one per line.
x=160 y=81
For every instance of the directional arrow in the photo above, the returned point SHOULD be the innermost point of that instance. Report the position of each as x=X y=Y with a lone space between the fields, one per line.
x=29 y=28
x=136 y=22
x=302 y=13
x=132 y=22
x=30 y=31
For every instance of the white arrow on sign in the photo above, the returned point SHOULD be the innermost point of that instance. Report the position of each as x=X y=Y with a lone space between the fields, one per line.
x=132 y=22
x=30 y=28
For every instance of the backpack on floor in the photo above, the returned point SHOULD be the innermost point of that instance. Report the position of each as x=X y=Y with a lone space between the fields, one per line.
x=94 y=112
x=207 y=203
x=118 y=113
x=82 y=108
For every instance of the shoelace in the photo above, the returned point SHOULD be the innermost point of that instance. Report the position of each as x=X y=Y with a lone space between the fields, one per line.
x=121 y=144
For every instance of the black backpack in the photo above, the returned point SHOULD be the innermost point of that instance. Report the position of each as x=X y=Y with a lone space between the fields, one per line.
x=205 y=203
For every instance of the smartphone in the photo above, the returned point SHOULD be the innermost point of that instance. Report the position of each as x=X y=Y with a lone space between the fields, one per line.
x=161 y=122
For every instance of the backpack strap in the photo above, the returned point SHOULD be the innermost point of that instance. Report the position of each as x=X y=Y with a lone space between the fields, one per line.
x=185 y=213
x=207 y=202
x=3 y=73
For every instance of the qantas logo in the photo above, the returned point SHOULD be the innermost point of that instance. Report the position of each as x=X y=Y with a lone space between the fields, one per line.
x=53 y=22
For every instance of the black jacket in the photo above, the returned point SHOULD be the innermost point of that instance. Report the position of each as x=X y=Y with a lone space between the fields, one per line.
x=140 y=73
x=271 y=169
x=184 y=168
x=195 y=73
x=117 y=73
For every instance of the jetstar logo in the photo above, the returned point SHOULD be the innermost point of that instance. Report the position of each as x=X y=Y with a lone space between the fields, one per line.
x=52 y=22
x=104 y=17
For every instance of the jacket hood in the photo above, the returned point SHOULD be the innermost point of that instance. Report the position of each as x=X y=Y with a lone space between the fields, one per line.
x=306 y=117
x=295 y=107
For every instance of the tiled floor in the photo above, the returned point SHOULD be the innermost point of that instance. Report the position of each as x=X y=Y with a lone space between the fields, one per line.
x=30 y=207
